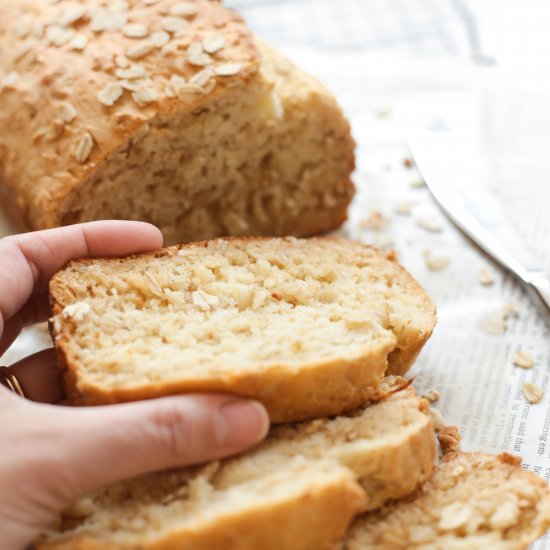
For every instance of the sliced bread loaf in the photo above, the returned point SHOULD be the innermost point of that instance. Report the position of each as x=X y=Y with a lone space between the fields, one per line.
x=472 y=502
x=164 y=111
x=298 y=490
x=308 y=327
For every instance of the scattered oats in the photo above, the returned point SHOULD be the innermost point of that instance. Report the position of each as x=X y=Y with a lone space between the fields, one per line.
x=403 y=208
x=135 y=30
x=174 y=24
x=531 y=392
x=59 y=36
x=150 y=2
x=486 y=277
x=376 y=221
x=493 y=323
x=55 y=131
x=66 y=112
x=76 y=311
x=11 y=79
x=160 y=38
x=408 y=163
x=200 y=60
x=153 y=285
x=183 y=90
x=432 y=395
x=437 y=263
x=383 y=112
x=84 y=148
x=72 y=15
x=139 y=50
x=168 y=49
x=110 y=94
x=202 y=77
x=227 y=69
x=104 y=20
x=131 y=85
x=183 y=9
x=510 y=309
x=523 y=360
x=131 y=73
x=417 y=184
x=195 y=48
x=505 y=516
x=213 y=43
x=430 y=224
x=383 y=241
x=209 y=87
x=144 y=94
x=204 y=301
x=437 y=418
x=454 y=516
x=122 y=61
x=78 y=42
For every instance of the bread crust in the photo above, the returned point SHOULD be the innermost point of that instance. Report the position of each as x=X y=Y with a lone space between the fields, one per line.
x=505 y=507
x=321 y=513
x=46 y=180
x=316 y=389
x=42 y=178
x=383 y=467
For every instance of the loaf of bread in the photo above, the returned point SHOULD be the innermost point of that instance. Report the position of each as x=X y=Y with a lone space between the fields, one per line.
x=163 y=111
x=307 y=327
x=472 y=502
x=298 y=490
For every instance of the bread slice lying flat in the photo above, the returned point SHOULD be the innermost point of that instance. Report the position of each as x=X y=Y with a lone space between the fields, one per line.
x=297 y=490
x=308 y=327
x=472 y=502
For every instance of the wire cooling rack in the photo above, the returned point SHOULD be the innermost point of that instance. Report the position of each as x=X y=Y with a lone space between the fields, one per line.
x=423 y=27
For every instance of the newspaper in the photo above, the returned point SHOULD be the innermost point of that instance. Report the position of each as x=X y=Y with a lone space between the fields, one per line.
x=469 y=359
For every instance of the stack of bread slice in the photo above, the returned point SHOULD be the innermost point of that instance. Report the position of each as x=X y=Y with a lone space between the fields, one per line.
x=316 y=330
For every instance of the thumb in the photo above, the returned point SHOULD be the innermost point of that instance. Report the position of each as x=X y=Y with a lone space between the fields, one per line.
x=102 y=445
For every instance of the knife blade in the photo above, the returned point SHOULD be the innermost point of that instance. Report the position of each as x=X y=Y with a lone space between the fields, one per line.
x=456 y=180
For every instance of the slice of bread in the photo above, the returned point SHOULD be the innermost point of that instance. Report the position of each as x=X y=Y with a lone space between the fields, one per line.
x=307 y=327
x=299 y=489
x=472 y=502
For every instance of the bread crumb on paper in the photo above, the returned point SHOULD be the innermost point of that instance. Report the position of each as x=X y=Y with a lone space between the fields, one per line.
x=486 y=277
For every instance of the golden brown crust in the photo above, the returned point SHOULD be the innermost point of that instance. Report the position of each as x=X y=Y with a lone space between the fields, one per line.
x=386 y=467
x=320 y=514
x=51 y=75
x=473 y=500
x=44 y=72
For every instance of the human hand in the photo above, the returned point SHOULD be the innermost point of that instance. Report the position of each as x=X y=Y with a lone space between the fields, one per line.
x=52 y=455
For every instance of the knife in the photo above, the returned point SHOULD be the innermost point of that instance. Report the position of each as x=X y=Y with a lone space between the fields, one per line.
x=450 y=171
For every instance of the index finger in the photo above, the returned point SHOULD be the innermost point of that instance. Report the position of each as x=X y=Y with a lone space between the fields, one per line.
x=28 y=261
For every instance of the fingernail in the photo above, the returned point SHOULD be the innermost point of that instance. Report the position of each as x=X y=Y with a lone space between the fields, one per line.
x=244 y=423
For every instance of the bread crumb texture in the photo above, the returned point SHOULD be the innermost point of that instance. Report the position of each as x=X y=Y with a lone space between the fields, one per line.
x=472 y=502
x=306 y=326
x=299 y=489
x=180 y=117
